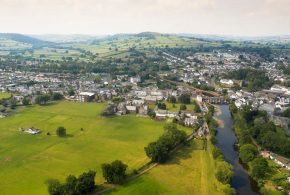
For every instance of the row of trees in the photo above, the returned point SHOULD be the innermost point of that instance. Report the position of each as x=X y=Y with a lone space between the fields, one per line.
x=83 y=184
x=114 y=172
x=43 y=99
x=250 y=124
x=159 y=151
x=255 y=124
x=252 y=79
x=223 y=170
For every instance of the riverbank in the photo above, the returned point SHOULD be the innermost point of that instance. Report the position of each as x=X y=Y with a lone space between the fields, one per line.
x=241 y=181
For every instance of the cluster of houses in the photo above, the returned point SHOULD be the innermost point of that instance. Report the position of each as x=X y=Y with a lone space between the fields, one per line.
x=279 y=160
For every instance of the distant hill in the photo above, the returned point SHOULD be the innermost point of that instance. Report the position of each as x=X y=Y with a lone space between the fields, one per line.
x=283 y=39
x=62 y=38
x=25 y=39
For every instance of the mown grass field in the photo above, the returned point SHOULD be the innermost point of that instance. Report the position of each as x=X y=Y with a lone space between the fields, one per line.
x=4 y=95
x=190 y=171
x=27 y=161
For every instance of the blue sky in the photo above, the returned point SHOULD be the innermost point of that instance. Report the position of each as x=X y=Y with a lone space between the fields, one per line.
x=223 y=17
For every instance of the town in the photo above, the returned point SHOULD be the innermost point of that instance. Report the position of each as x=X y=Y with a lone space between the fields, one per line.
x=191 y=92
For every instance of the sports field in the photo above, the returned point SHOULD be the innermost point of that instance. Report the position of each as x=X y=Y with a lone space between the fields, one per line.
x=27 y=161
x=191 y=171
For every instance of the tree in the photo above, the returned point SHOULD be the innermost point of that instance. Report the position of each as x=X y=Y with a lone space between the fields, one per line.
x=54 y=187
x=184 y=98
x=70 y=186
x=12 y=103
x=71 y=92
x=161 y=105
x=114 y=172
x=61 y=131
x=224 y=172
x=182 y=107
x=42 y=99
x=259 y=167
x=248 y=152
x=86 y=182
x=228 y=190
x=151 y=113
x=286 y=113
x=157 y=151
x=26 y=101
x=172 y=99
x=57 y=96
x=217 y=153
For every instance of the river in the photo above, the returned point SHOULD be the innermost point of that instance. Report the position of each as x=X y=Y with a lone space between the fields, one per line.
x=241 y=181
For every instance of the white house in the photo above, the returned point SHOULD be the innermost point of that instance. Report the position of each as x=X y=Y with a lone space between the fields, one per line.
x=131 y=108
x=199 y=98
x=190 y=121
x=227 y=81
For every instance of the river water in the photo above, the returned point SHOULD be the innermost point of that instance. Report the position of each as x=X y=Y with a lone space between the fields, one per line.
x=241 y=181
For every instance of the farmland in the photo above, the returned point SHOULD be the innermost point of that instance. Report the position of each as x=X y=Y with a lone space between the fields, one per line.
x=190 y=171
x=48 y=156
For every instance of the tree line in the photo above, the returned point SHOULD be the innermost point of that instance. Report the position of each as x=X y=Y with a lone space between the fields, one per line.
x=159 y=150
x=114 y=173
x=252 y=79
x=254 y=125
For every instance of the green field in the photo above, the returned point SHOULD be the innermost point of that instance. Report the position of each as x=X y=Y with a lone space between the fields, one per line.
x=4 y=95
x=27 y=161
x=191 y=171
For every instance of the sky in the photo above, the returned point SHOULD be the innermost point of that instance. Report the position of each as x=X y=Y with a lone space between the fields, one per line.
x=100 y=17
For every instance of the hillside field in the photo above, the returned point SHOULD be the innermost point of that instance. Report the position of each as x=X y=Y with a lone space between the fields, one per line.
x=190 y=171
x=27 y=161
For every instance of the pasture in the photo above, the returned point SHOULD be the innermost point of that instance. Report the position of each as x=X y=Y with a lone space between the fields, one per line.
x=190 y=171
x=27 y=161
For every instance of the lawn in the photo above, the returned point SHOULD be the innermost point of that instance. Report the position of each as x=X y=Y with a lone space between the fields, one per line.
x=191 y=171
x=4 y=95
x=27 y=161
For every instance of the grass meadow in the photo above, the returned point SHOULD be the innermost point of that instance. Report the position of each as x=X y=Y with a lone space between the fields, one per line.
x=190 y=171
x=27 y=161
